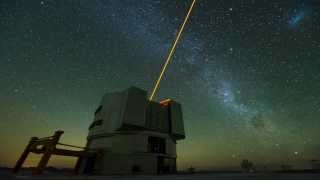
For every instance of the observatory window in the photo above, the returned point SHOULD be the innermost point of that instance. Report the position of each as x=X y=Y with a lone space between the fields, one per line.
x=96 y=123
x=98 y=110
x=156 y=145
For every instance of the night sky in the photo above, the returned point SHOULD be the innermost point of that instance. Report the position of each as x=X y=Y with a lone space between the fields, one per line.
x=247 y=73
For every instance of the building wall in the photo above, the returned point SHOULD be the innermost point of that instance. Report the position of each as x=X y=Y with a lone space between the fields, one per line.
x=316 y=165
x=131 y=109
x=131 y=142
x=177 y=126
x=124 y=163
x=119 y=153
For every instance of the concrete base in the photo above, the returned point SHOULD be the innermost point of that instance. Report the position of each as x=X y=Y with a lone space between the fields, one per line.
x=130 y=153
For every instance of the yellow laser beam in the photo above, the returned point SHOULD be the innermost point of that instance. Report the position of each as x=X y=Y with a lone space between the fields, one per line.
x=156 y=86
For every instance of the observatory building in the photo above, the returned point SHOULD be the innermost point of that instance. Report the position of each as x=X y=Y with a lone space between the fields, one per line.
x=130 y=134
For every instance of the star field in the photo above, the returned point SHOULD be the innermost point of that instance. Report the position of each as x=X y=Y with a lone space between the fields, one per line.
x=246 y=73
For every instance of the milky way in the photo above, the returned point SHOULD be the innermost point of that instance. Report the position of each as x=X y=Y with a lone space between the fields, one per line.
x=246 y=73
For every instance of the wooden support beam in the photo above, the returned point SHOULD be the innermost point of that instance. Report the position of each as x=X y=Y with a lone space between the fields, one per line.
x=43 y=162
x=65 y=152
x=78 y=164
x=70 y=145
x=24 y=155
x=49 y=149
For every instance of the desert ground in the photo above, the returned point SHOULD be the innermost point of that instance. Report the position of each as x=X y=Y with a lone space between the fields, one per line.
x=197 y=176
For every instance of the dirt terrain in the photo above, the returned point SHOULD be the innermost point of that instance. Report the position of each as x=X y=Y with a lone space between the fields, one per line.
x=201 y=176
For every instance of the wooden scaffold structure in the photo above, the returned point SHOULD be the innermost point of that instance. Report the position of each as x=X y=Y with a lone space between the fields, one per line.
x=48 y=147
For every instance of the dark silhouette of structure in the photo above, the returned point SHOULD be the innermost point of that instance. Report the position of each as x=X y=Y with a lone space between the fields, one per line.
x=315 y=164
x=286 y=167
x=129 y=135
x=247 y=166
x=133 y=135
x=47 y=147
x=191 y=170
